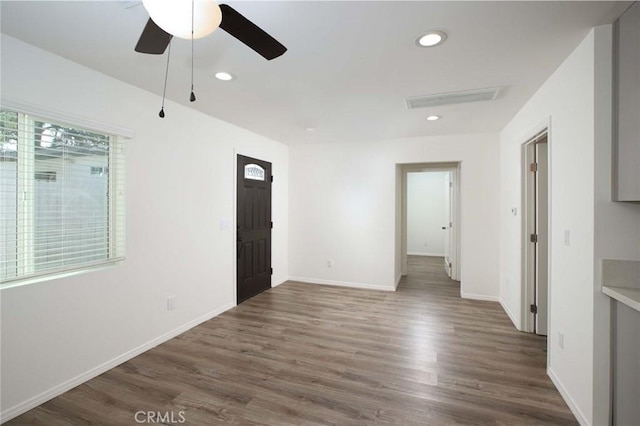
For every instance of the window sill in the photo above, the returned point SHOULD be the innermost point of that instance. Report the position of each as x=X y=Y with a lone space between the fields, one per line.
x=48 y=276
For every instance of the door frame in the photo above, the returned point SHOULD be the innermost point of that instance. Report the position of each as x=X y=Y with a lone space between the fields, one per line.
x=528 y=295
x=455 y=169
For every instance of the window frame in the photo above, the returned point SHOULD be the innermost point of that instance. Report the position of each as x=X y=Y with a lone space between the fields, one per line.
x=116 y=212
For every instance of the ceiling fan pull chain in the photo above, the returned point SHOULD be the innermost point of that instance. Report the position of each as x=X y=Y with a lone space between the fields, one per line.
x=166 y=74
x=192 y=98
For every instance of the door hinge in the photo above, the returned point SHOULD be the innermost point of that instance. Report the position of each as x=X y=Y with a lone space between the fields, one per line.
x=271 y=271
x=533 y=167
x=534 y=238
x=271 y=225
x=450 y=265
x=534 y=309
x=450 y=224
x=271 y=178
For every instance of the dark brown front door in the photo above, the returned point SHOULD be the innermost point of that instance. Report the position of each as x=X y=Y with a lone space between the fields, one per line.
x=253 y=246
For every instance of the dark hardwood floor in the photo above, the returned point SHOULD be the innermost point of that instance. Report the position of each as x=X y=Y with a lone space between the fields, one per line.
x=311 y=354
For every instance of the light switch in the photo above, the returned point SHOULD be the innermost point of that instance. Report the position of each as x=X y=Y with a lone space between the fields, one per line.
x=567 y=237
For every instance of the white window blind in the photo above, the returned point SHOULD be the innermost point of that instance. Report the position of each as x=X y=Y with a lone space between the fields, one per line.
x=61 y=197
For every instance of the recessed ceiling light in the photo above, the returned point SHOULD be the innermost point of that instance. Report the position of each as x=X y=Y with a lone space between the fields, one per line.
x=311 y=129
x=224 y=76
x=433 y=117
x=431 y=39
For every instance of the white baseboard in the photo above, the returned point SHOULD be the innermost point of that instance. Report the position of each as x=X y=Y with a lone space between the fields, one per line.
x=478 y=297
x=342 y=284
x=516 y=323
x=45 y=396
x=582 y=419
x=278 y=282
x=420 y=253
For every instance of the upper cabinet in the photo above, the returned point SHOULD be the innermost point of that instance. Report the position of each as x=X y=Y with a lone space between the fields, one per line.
x=627 y=106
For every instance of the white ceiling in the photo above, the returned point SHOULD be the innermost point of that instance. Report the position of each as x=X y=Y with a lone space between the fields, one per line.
x=349 y=67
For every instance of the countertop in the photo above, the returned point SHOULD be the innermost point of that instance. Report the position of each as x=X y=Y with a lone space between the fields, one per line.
x=621 y=281
x=626 y=295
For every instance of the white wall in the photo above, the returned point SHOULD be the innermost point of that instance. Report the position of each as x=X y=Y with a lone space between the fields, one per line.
x=567 y=102
x=426 y=213
x=180 y=184
x=343 y=202
x=398 y=246
x=566 y=97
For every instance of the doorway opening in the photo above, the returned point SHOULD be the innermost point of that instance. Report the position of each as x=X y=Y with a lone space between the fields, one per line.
x=253 y=227
x=535 y=238
x=428 y=218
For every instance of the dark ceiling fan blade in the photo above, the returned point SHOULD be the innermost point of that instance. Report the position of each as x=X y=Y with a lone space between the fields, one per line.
x=249 y=33
x=153 y=40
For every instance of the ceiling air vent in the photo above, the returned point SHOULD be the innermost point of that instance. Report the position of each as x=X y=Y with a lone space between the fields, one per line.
x=438 y=99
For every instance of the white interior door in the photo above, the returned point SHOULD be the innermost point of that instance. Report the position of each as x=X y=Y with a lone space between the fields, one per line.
x=542 y=231
x=446 y=228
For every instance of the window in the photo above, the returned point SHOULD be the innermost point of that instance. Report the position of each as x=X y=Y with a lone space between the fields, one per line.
x=61 y=197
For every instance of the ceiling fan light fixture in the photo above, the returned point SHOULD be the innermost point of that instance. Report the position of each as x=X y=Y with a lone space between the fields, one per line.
x=174 y=16
x=433 y=117
x=224 y=76
x=431 y=39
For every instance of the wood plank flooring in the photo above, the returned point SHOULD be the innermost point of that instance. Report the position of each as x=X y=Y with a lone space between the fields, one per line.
x=310 y=354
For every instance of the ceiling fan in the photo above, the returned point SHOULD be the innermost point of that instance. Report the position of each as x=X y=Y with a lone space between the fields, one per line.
x=192 y=19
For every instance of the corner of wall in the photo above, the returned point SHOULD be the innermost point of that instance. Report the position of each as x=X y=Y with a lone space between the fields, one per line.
x=515 y=320
x=573 y=406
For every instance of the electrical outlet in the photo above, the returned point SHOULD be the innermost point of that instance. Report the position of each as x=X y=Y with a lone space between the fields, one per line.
x=561 y=339
x=329 y=263
x=171 y=303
